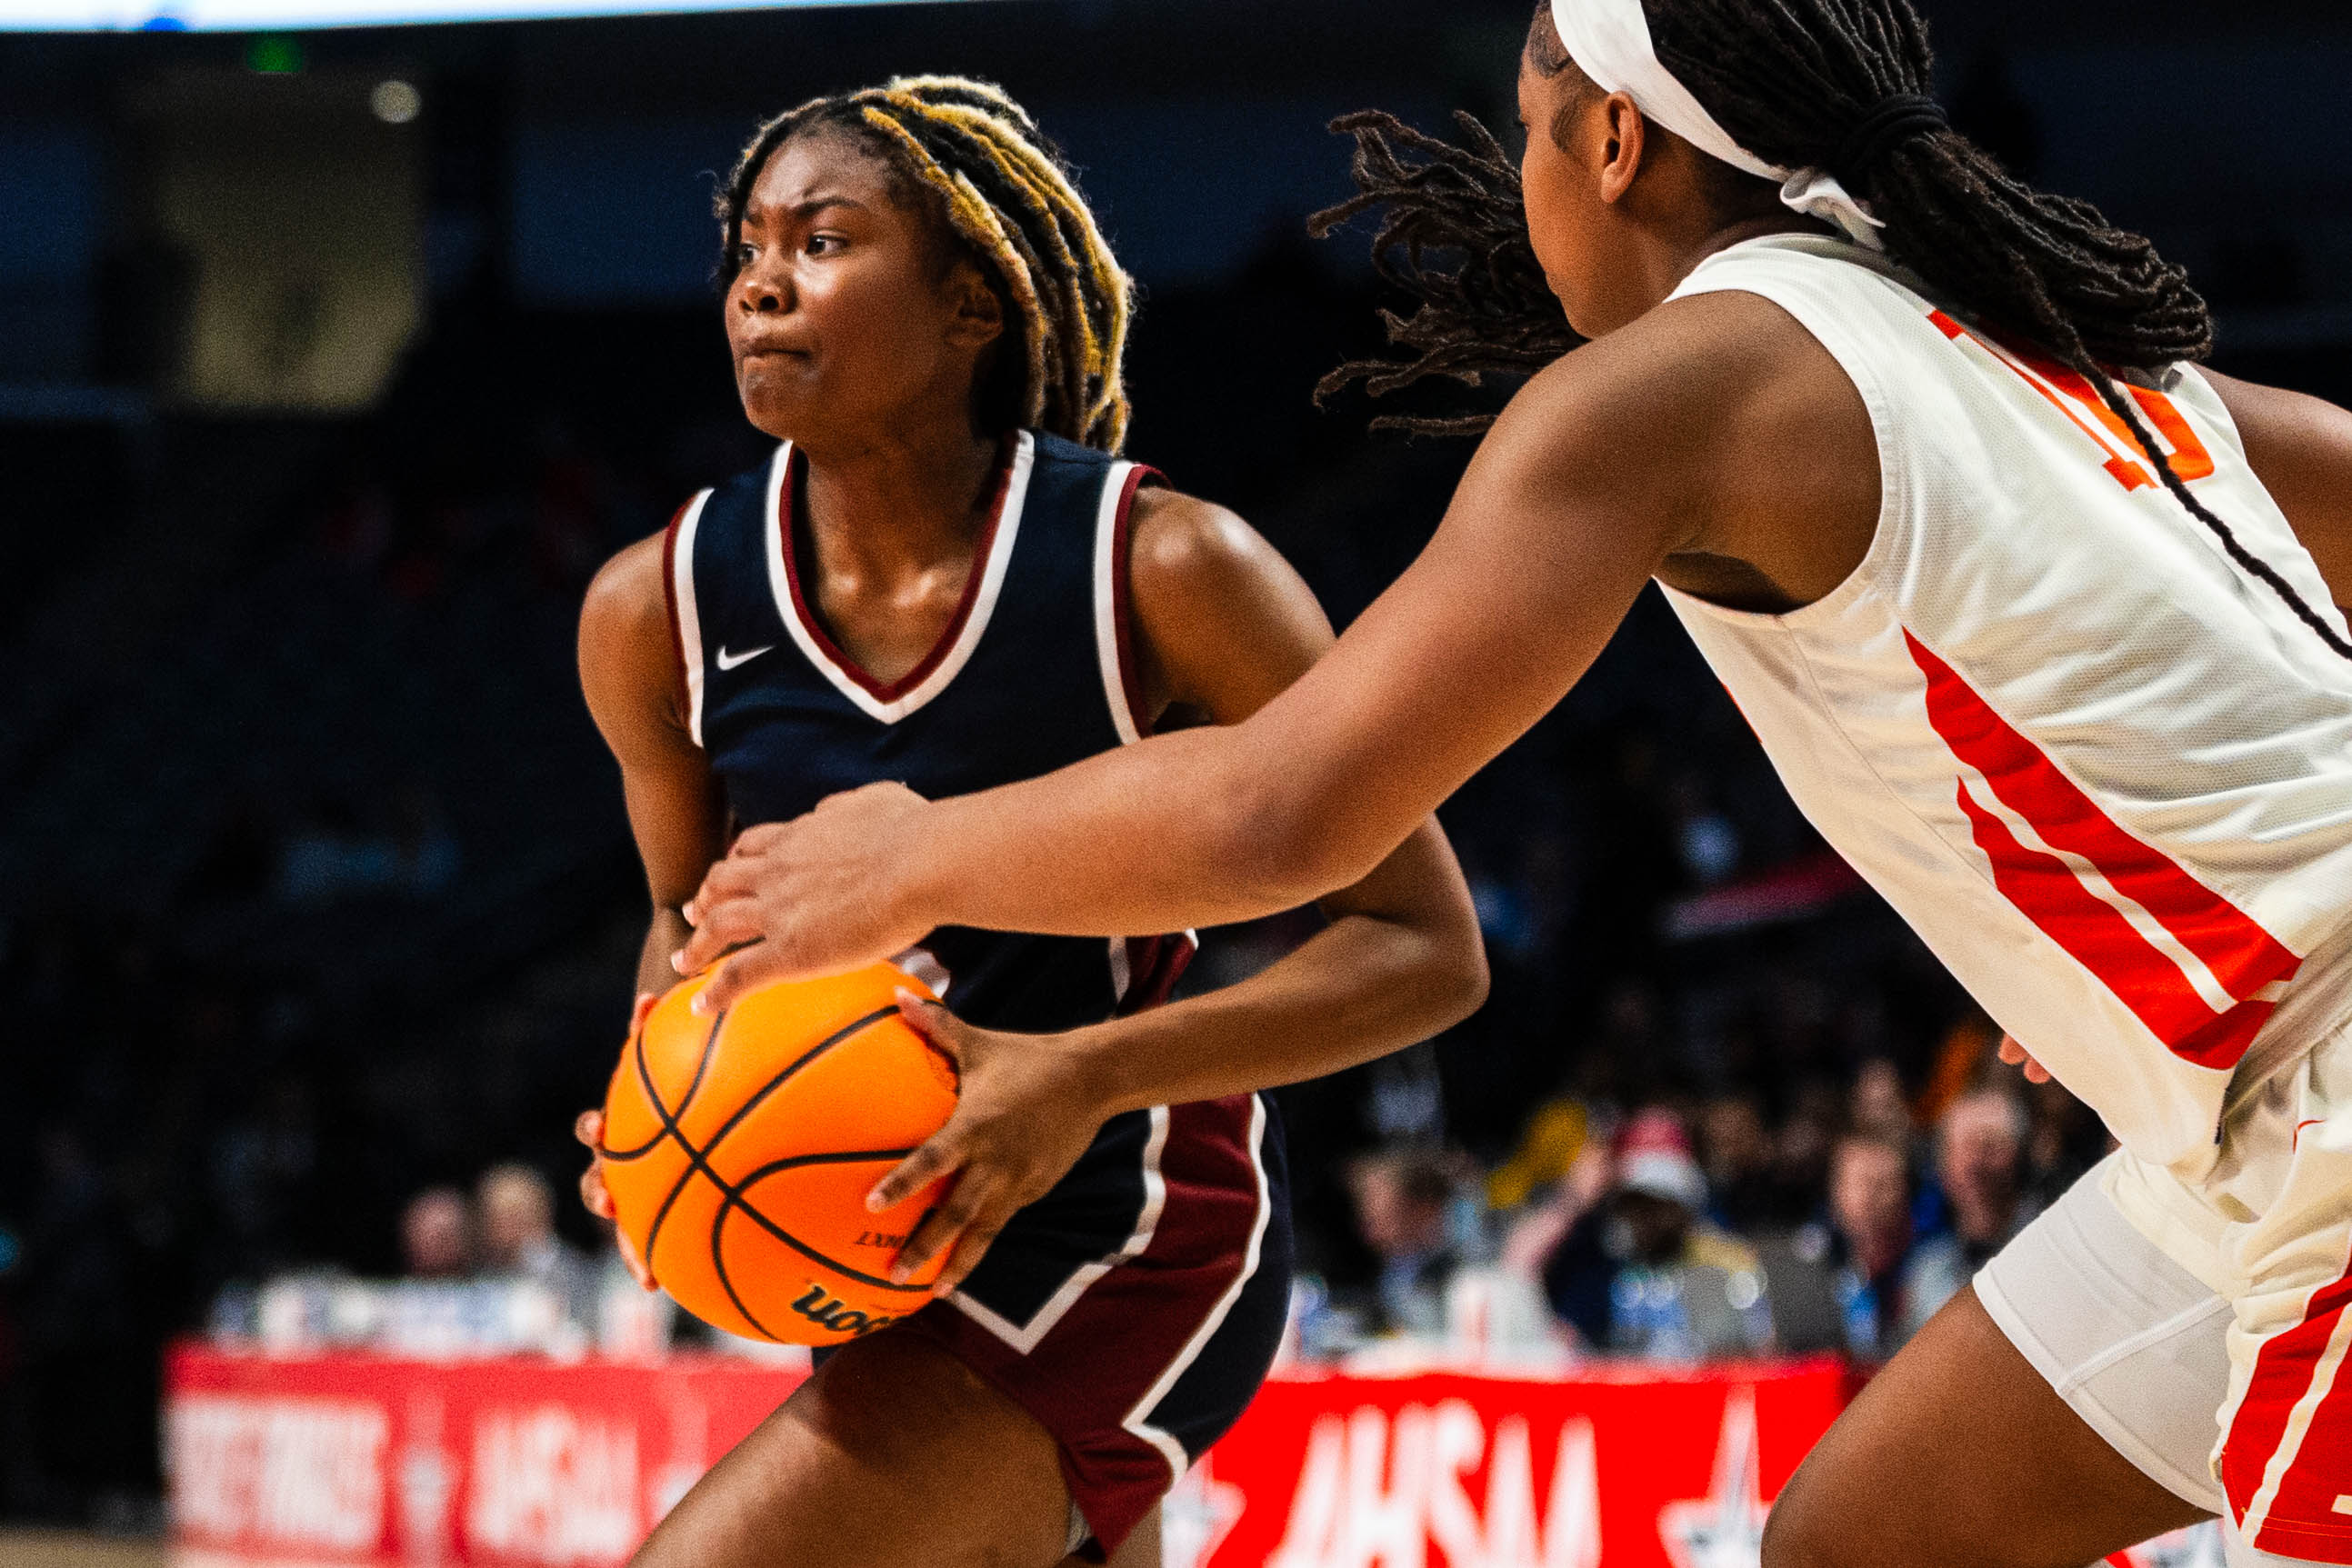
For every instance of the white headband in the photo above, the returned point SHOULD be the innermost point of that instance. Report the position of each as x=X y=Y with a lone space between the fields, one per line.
x=1610 y=42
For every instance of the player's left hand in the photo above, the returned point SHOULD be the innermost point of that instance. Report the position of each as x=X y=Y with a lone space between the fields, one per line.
x=816 y=895
x=1025 y=1113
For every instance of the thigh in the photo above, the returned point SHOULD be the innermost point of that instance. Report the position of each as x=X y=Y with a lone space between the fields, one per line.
x=894 y=1455
x=1960 y=1453
x=1140 y=1549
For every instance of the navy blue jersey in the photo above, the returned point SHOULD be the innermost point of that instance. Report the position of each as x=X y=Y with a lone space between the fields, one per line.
x=1135 y=1307
x=1031 y=675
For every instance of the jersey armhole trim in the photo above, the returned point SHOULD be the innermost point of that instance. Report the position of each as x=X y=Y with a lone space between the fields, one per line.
x=685 y=617
x=1894 y=477
x=1114 y=638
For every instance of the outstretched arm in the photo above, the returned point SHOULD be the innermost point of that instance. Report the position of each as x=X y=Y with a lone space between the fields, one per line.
x=1674 y=434
x=1223 y=625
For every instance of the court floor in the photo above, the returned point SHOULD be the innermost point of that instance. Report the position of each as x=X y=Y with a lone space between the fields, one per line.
x=61 y=1549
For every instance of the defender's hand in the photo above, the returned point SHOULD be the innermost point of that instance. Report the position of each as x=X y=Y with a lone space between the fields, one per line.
x=1024 y=1115
x=818 y=895
x=588 y=1128
x=2016 y=1055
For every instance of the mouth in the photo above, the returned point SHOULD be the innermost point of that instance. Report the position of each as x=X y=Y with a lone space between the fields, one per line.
x=751 y=351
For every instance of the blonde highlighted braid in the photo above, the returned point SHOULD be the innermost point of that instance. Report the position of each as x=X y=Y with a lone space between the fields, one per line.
x=1006 y=194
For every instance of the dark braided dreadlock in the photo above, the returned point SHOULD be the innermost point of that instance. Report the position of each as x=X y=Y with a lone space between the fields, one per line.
x=1835 y=84
x=1494 y=314
x=1004 y=194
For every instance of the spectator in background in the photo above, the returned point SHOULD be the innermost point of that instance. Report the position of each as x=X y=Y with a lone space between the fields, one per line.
x=1643 y=1274
x=436 y=1235
x=1802 y=1145
x=1402 y=1199
x=1979 y=1158
x=518 y=1239
x=1872 y=1244
x=1879 y=1108
x=1738 y=1149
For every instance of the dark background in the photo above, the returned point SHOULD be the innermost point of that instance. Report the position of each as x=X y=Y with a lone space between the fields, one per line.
x=314 y=887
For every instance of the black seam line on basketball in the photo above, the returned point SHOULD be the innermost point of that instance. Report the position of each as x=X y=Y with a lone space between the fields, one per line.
x=699 y=1159
x=726 y=1282
x=701 y=1066
x=735 y=1199
x=670 y=1129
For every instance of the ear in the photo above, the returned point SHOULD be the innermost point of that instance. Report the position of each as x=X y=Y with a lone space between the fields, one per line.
x=978 y=314
x=1624 y=135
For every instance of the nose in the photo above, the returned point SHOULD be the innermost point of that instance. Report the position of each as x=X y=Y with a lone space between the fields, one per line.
x=759 y=292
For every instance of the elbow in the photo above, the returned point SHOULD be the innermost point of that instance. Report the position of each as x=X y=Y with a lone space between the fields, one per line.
x=1470 y=980
x=1455 y=980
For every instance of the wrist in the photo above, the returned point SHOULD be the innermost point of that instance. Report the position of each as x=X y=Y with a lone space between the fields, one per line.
x=918 y=892
x=1101 y=1065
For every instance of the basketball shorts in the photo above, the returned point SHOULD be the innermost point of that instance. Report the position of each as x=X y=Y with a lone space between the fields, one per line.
x=1135 y=1309
x=2214 y=1362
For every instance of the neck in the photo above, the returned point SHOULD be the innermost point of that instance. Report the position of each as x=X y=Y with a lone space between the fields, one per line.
x=1672 y=258
x=898 y=500
x=1686 y=207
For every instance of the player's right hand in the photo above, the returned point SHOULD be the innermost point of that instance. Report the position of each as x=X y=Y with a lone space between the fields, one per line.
x=2016 y=1055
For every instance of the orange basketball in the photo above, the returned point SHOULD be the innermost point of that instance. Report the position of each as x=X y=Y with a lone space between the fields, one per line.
x=738 y=1150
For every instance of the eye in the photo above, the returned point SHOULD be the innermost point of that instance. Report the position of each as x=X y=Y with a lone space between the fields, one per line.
x=826 y=242
x=744 y=256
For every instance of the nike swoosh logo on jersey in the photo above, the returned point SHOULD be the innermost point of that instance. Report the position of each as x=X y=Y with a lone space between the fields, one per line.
x=728 y=660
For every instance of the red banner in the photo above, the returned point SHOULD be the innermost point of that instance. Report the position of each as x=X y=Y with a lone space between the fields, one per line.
x=1645 y=1468
x=350 y=1459
x=362 y=1460
x=359 y=1459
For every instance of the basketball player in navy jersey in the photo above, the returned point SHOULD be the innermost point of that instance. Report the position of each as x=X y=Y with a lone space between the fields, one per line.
x=946 y=578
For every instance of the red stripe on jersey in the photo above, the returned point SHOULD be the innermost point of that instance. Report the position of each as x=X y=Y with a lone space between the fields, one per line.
x=2143 y=978
x=2222 y=1042
x=2241 y=956
x=669 y=602
x=2302 y=1521
x=1121 y=611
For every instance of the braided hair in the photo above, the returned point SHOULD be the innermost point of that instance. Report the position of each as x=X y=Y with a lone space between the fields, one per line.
x=1835 y=84
x=1006 y=197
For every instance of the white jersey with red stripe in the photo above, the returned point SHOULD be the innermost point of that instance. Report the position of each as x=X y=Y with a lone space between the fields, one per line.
x=2104 y=772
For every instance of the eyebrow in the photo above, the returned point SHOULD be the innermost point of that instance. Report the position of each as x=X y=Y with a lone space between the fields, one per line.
x=805 y=208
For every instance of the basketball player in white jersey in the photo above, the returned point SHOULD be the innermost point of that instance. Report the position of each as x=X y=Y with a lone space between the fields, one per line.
x=2037 y=621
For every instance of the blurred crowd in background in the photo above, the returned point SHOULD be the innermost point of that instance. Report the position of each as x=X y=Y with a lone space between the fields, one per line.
x=318 y=911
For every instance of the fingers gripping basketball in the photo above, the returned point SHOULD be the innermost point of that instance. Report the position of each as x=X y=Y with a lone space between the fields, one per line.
x=739 y=1149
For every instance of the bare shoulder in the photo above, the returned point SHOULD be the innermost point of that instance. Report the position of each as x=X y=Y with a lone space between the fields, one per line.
x=627 y=595
x=2288 y=429
x=628 y=658
x=1183 y=550
x=1223 y=622
x=2300 y=447
x=2277 y=412
x=1680 y=427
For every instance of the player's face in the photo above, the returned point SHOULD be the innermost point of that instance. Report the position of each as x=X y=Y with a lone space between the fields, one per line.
x=844 y=322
